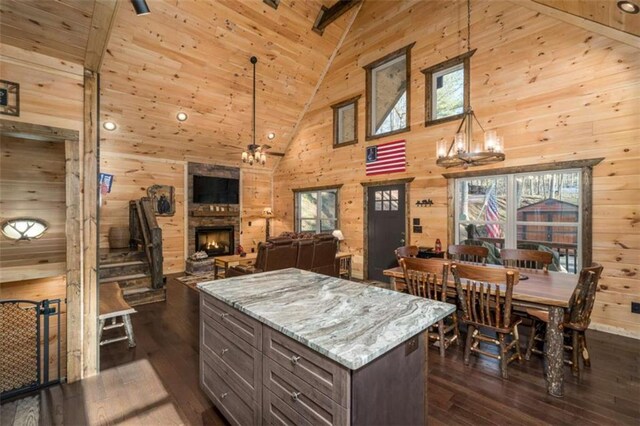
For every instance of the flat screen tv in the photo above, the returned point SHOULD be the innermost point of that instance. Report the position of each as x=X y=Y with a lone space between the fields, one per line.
x=215 y=190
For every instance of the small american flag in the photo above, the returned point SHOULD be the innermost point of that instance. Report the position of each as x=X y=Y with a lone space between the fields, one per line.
x=389 y=157
x=491 y=214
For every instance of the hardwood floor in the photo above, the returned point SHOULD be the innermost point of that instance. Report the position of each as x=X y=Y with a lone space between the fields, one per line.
x=157 y=382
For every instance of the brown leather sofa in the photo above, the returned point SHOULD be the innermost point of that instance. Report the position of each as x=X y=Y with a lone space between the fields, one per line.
x=315 y=254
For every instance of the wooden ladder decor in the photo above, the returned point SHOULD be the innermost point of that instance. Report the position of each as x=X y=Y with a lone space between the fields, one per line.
x=146 y=233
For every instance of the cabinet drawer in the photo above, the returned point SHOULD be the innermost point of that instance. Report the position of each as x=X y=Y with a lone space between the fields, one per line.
x=320 y=372
x=276 y=412
x=238 y=323
x=236 y=357
x=314 y=406
x=237 y=408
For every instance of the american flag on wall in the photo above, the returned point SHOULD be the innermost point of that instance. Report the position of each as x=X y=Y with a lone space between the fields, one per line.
x=388 y=157
x=491 y=214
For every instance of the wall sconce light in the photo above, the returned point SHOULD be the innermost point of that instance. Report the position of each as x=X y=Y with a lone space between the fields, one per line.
x=109 y=126
x=24 y=228
x=182 y=116
x=424 y=203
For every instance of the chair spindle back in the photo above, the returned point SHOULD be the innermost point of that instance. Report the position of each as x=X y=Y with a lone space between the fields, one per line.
x=481 y=299
x=583 y=297
x=468 y=253
x=426 y=277
x=526 y=259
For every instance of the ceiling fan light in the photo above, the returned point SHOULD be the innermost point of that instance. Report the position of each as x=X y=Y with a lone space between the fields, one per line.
x=263 y=158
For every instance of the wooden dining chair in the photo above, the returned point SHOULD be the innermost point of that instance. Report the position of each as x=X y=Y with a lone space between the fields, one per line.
x=526 y=259
x=428 y=278
x=576 y=321
x=468 y=253
x=486 y=307
x=406 y=251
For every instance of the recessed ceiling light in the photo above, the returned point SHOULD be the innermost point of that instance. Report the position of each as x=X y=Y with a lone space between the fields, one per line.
x=271 y=136
x=628 y=7
x=182 y=116
x=109 y=125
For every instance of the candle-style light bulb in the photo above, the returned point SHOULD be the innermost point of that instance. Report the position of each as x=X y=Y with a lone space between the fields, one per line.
x=460 y=142
x=490 y=140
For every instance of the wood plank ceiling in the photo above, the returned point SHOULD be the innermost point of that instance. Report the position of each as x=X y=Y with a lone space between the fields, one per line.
x=604 y=12
x=194 y=57
x=57 y=28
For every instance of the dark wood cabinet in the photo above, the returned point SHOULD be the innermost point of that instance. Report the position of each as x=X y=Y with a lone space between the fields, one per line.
x=257 y=375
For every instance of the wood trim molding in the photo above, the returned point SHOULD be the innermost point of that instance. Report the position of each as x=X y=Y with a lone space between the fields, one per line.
x=406 y=50
x=387 y=182
x=336 y=110
x=102 y=20
x=18 y=129
x=583 y=23
x=317 y=188
x=572 y=164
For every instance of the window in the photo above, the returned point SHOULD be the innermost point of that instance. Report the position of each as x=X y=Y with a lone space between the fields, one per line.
x=386 y=200
x=388 y=94
x=535 y=211
x=345 y=122
x=447 y=89
x=316 y=210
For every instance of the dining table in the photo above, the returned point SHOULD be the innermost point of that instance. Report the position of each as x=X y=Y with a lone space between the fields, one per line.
x=550 y=291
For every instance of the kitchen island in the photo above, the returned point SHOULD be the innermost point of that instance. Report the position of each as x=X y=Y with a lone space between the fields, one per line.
x=295 y=347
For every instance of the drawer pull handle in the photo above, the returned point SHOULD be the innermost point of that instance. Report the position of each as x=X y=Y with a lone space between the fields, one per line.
x=295 y=359
x=295 y=395
x=224 y=395
x=224 y=315
x=224 y=351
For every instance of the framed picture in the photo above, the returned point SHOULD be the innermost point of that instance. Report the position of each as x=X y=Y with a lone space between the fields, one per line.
x=162 y=199
x=9 y=98
x=105 y=183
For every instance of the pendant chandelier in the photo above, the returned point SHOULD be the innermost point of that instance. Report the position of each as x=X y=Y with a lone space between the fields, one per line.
x=254 y=153
x=463 y=151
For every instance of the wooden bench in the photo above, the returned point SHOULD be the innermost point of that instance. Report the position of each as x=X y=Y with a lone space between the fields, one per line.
x=112 y=306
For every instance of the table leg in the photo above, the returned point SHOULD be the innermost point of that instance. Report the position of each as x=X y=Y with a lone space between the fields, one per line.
x=393 y=283
x=215 y=270
x=554 y=352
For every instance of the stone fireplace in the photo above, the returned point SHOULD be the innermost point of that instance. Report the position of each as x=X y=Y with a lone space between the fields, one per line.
x=213 y=228
x=215 y=240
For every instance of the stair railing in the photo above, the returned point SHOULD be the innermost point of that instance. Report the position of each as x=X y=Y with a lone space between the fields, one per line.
x=145 y=232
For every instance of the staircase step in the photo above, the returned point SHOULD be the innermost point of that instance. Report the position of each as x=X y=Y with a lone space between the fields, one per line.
x=144 y=295
x=120 y=255
x=129 y=281
x=123 y=269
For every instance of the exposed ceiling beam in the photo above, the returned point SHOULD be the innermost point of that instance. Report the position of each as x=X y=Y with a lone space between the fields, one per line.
x=578 y=21
x=328 y=15
x=104 y=14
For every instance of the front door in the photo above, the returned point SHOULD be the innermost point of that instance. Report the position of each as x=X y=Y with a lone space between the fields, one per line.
x=386 y=224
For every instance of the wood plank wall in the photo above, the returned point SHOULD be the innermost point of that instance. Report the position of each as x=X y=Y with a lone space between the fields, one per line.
x=132 y=177
x=554 y=91
x=32 y=184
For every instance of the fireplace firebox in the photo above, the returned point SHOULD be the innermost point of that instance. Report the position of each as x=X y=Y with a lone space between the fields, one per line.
x=215 y=240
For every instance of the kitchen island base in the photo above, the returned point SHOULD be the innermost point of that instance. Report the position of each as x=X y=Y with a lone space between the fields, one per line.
x=257 y=375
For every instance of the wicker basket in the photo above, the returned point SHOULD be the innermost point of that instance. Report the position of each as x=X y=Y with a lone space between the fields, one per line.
x=119 y=237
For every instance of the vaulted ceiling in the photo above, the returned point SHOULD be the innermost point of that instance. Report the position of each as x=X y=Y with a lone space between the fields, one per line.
x=194 y=57
x=604 y=12
x=57 y=28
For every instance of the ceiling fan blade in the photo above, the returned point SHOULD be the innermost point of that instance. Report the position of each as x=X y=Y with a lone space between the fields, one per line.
x=276 y=154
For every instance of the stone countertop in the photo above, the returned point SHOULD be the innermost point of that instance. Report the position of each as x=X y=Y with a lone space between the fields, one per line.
x=348 y=322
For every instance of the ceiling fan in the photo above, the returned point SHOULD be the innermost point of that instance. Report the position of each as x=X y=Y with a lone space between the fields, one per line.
x=256 y=153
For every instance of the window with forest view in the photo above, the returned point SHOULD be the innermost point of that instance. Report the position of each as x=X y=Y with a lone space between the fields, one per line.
x=448 y=88
x=535 y=211
x=316 y=211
